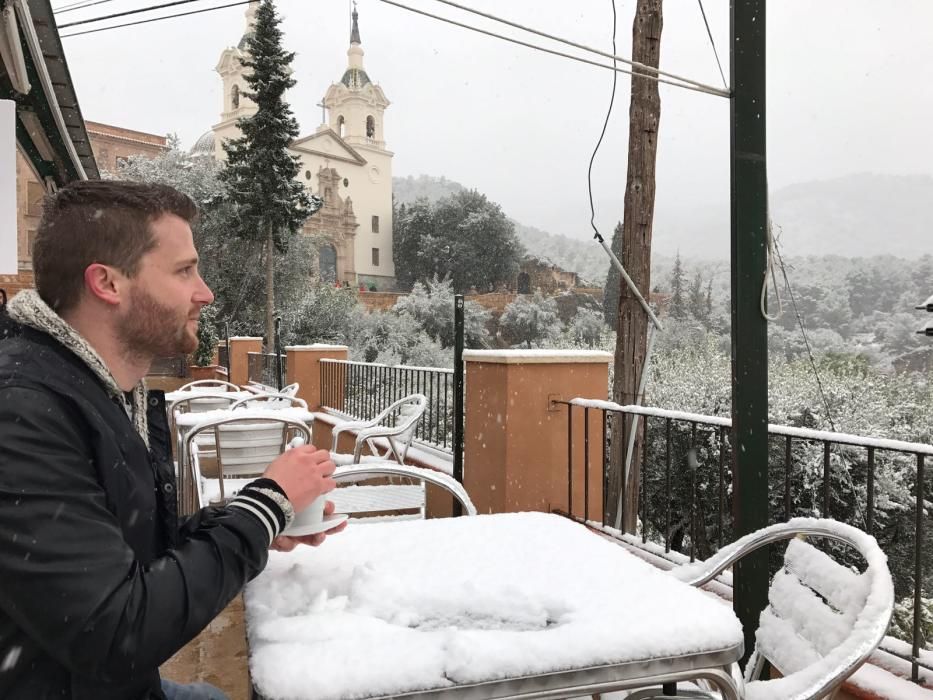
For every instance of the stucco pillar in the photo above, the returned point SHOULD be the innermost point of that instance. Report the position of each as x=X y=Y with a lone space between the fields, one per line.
x=304 y=367
x=239 y=362
x=515 y=439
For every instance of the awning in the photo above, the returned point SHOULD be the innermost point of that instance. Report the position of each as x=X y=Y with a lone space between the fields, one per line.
x=50 y=130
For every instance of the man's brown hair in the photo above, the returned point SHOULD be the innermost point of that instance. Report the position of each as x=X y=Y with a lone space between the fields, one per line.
x=98 y=221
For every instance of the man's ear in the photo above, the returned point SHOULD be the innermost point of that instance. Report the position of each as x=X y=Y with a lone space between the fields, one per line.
x=105 y=283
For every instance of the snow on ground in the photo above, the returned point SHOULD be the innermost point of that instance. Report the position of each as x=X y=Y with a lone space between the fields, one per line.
x=380 y=610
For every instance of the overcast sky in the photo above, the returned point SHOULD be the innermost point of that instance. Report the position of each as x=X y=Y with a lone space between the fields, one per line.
x=849 y=91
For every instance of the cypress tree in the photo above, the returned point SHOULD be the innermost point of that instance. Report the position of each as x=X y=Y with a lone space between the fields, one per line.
x=613 y=279
x=261 y=175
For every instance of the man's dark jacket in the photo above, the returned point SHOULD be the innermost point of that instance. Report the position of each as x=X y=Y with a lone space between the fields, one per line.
x=98 y=584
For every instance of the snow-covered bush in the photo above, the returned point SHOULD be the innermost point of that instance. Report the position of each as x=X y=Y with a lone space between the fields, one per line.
x=432 y=305
x=323 y=315
x=532 y=321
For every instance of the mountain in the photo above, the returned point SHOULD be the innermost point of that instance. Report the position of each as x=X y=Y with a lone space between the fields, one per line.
x=406 y=190
x=856 y=216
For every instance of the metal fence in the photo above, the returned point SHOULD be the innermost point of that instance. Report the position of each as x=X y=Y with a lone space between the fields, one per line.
x=223 y=358
x=263 y=368
x=176 y=366
x=362 y=390
x=685 y=490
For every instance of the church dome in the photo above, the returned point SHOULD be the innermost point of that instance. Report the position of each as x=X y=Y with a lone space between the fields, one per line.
x=205 y=145
x=355 y=78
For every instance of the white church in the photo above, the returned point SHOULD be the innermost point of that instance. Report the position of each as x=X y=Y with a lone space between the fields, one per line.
x=345 y=161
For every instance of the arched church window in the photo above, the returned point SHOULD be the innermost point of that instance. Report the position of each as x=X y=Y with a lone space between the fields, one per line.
x=370 y=127
x=341 y=126
x=327 y=262
x=327 y=194
x=235 y=96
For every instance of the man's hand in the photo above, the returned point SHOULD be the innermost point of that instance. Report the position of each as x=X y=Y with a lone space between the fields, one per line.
x=284 y=543
x=304 y=473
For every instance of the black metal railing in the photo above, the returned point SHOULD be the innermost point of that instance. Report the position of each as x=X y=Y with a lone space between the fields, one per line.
x=685 y=488
x=361 y=390
x=176 y=366
x=223 y=357
x=262 y=367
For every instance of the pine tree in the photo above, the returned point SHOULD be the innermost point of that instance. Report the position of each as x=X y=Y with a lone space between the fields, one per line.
x=695 y=297
x=272 y=205
x=677 y=303
x=613 y=278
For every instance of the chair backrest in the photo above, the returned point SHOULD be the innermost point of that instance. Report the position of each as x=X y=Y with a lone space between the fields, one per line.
x=199 y=402
x=270 y=400
x=391 y=497
x=397 y=424
x=245 y=446
x=823 y=618
x=214 y=385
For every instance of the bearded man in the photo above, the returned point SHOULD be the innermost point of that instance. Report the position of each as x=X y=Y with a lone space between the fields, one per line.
x=99 y=581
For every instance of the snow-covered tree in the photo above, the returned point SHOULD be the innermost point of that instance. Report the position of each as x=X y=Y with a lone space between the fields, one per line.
x=613 y=281
x=530 y=320
x=431 y=304
x=587 y=327
x=393 y=339
x=464 y=237
x=324 y=314
x=678 y=302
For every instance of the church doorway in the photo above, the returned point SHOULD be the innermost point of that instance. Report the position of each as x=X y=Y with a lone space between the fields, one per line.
x=327 y=263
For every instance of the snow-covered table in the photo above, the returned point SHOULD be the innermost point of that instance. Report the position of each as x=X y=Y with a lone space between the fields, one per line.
x=494 y=606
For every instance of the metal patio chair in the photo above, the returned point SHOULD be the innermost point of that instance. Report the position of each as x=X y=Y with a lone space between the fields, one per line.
x=388 y=435
x=215 y=385
x=260 y=388
x=269 y=400
x=823 y=620
x=243 y=446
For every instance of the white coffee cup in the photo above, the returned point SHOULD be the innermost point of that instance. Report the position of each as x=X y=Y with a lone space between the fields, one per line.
x=310 y=516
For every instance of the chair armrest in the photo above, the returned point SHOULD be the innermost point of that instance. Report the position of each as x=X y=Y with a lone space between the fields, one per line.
x=362 y=472
x=349 y=425
x=702 y=572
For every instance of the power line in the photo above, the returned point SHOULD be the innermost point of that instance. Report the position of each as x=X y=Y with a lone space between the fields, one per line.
x=78 y=6
x=696 y=88
x=157 y=19
x=806 y=340
x=709 y=33
x=128 y=12
x=612 y=99
x=613 y=55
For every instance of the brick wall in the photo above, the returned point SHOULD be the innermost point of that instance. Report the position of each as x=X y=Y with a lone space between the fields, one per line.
x=379 y=301
x=14 y=283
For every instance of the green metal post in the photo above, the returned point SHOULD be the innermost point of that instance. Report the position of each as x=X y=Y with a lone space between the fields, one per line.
x=458 y=395
x=749 y=197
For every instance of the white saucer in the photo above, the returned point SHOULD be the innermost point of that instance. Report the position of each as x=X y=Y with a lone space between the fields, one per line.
x=327 y=523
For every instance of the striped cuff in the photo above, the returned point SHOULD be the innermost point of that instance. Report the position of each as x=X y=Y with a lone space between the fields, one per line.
x=267 y=505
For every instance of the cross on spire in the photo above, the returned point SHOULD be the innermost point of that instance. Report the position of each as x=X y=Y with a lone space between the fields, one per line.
x=355 y=29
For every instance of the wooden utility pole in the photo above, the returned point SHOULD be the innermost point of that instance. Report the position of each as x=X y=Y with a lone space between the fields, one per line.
x=632 y=322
